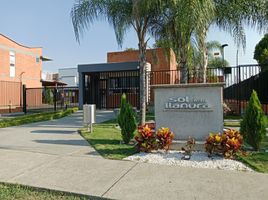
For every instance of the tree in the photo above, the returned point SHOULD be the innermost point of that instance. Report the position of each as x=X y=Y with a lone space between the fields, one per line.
x=253 y=125
x=261 y=53
x=231 y=16
x=122 y=15
x=126 y=120
x=181 y=22
x=185 y=27
x=217 y=63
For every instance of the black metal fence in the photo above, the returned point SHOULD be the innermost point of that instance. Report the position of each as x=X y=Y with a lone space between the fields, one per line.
x=49 y=98
x=240 y=83
x=213 y=75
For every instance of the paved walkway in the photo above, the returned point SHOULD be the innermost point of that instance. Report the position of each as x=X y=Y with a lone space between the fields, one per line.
x=52 y=155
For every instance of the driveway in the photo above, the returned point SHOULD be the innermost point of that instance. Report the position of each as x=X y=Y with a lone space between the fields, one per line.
x=53 y=155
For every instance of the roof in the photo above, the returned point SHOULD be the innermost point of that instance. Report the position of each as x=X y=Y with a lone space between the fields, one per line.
x=18 y=43
x=52 y=83
x=108 y=67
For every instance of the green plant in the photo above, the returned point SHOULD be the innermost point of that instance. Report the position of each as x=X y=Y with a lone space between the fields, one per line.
x=188 y=148
x=254 y=122
x=227 y=144
x=165 y=137
x=126 y=120
x=146 y=139
x=48 y=96
x=261 y=53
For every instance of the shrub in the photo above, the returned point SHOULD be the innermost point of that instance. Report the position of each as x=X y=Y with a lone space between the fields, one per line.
x=126 y=120
x=165 y=137
x=254 y=122
x=227 y=144
x=261 y=53
x=146 y=139
x=232 y=141
x=188 y=148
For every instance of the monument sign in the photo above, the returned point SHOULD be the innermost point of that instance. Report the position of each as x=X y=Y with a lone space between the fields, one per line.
x=189 y=110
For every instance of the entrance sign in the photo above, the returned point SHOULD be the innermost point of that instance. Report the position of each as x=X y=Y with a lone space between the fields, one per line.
x=190 y=109
x=186 y=103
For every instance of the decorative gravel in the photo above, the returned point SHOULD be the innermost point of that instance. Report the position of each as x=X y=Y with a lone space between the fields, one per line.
x=198 y=160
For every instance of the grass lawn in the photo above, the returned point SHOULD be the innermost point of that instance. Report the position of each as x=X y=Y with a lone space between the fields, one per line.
x=257 y=160
x=44 y=116
x=106 y=139
x=14 y=191
x=234 y=123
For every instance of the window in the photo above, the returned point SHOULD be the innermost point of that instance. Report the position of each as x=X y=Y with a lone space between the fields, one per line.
x=37 y=59
x=12 y=63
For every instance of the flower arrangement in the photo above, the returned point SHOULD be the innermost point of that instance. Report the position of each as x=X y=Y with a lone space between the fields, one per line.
x=227 y=144
x=165 y=137
x=146 y=139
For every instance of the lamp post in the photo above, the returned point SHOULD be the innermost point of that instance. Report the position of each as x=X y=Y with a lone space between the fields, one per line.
x=223 y=60
x=21 y=87
x=222 y=47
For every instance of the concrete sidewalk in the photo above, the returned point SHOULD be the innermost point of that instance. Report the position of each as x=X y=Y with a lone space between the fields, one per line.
x=52 y=155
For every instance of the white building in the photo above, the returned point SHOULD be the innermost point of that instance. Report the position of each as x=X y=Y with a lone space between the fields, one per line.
x=69 y=76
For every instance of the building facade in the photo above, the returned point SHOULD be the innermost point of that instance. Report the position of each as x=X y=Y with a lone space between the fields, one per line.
x=19 y=63
x=69 y=76
x=103 y=84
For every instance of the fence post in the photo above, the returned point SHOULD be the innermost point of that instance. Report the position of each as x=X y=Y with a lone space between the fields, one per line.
x=239 y=89
x=55 y=99
x=24 y=98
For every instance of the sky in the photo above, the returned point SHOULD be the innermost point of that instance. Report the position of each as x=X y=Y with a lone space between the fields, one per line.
x=47 y=24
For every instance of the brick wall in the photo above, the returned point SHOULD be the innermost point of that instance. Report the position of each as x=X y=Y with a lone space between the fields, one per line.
x=157 y=57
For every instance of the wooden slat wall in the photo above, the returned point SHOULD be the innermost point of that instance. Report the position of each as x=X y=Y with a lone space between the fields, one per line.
x=34 y=97
x=10 y=94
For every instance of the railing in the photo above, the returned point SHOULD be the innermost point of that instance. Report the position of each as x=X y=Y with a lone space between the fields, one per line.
x=213 y=75
x=50 y=98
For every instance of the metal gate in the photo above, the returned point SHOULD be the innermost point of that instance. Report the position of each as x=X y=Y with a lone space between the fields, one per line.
x=106 y=88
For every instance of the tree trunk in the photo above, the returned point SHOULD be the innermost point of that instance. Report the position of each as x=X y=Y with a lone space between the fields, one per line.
x=205 y=54
x=184 y=72
x=142 y=51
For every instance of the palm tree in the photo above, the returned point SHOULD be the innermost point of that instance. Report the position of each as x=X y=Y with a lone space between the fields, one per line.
x=122 y=15
x=231 y=16
x=185 y=24
x=180 y=24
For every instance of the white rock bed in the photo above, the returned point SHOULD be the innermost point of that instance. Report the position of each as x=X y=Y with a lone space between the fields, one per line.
x=198 y=160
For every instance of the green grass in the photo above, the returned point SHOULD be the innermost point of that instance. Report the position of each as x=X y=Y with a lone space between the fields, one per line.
x=232 y=117
x=150 y=116
x=232 y=124
x=15 y=191
x=257 y=160
x=107 y=141
x=25 y=119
